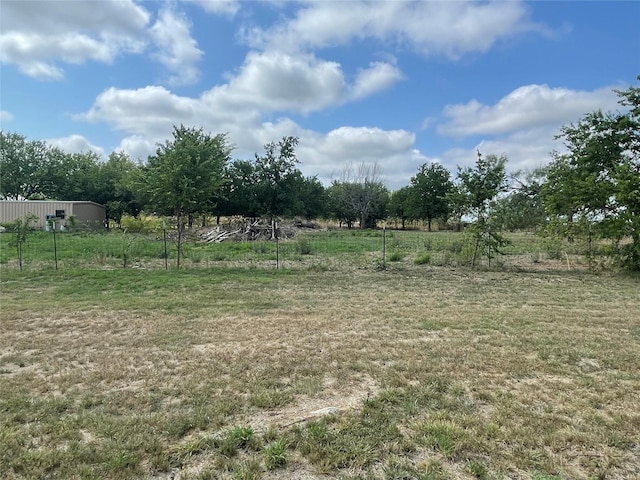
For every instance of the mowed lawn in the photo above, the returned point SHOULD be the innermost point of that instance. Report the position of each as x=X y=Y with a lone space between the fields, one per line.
x=413 y=372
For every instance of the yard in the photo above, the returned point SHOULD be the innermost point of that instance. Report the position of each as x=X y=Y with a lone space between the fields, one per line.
x=321 y=369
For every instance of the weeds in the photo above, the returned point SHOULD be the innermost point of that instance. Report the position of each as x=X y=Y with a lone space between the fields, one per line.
x=275 y=454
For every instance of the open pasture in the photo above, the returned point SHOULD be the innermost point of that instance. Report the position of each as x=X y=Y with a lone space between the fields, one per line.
x=416 y=371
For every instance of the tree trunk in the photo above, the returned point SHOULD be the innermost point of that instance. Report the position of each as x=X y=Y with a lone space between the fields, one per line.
x=429 y=224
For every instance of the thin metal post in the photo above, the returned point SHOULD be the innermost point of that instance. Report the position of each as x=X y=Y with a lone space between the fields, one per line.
x=384 y=244
x=55 y=244
x=275 y=232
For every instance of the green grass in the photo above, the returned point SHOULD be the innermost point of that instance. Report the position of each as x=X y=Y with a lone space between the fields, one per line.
x=319 y=250
x=224 y=370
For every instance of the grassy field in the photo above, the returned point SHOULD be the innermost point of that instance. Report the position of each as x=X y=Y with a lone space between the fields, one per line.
x=332 y=249
x=345 y=371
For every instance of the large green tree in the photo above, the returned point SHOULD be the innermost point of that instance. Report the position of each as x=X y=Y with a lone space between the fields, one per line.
x=23 y=167
x=239 y=193
x=597 y=180
x=117 y=186
x=186 y=175
x=277 y=178
x=428 y=198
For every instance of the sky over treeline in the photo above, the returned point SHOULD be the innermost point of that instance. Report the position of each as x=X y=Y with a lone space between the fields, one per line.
x=400 y=83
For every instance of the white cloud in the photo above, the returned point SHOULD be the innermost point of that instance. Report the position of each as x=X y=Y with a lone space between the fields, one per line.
x=5 y=116
x=37 y=36
x=274 y=81
x=221 y=7
x=525 y=150
x=75 y=144
x=149 y=111
x=526 y=107
x=378 y=76
x=266 y=83
x=139 y=147
x=451 y=29
x=326 y=155
x=178 y=50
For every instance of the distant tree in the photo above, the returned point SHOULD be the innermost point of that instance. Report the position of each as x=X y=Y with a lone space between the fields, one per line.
x=75 y=176
x=239 y=193
x=185 y=176
x=312 y=198
x=522 y=208
x=481 y=186
x=337 y=206
x=365 y=194
x=117 y=186
x=23 y=167
x=399 y=207
x=458 y=200
x=277 y=176
x=428 y=199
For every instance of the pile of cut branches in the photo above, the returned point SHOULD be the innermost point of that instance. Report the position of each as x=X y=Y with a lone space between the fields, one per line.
x=252 y=230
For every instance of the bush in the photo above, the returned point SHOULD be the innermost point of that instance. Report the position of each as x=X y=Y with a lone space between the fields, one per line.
x=141 y=224
x=303 y=246
x=423 y=259
x=395 y=257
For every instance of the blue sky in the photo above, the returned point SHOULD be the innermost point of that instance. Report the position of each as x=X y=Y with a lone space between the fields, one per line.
x=397 y=83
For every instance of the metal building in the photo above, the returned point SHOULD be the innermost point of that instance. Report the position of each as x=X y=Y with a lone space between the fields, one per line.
x=65 y=213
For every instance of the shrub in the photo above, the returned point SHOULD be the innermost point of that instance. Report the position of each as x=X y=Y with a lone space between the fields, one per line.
x=423 y=259
x=140 y=224
x=395 y=257
x=303 y=246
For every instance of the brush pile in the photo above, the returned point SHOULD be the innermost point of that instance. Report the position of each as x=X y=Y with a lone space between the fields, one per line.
x=255 y=230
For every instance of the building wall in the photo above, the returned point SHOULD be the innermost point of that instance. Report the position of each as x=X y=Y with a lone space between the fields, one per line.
x=89 y=212
x=84 y=212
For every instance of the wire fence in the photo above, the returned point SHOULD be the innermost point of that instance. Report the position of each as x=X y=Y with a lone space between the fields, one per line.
x=312 y=249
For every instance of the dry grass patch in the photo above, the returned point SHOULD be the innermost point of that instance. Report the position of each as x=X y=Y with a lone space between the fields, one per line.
x=412 y=372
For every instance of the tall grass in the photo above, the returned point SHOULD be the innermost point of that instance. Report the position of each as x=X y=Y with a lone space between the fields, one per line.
x=333 y=249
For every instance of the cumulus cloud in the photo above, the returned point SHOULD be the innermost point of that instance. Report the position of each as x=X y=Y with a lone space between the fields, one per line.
x=75 y=144
x=378 y=76
x=220 y=7
x=151 y=110
x=450 y=29
x=5 y=116
x=326 y=155
x=178 y=51
x=525 y=150
x=267 y=83
x=38 y=36
x=275 y=81
x=526 y=107
x=138 y=147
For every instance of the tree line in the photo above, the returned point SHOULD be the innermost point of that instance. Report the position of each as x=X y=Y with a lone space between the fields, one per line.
x=592 y=188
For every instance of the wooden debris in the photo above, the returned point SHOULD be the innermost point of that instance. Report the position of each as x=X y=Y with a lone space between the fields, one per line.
x=255 y=230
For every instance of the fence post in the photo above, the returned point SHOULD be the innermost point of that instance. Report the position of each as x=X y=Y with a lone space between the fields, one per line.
x=275 y=232
x=55 y=244
x=384 y=245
